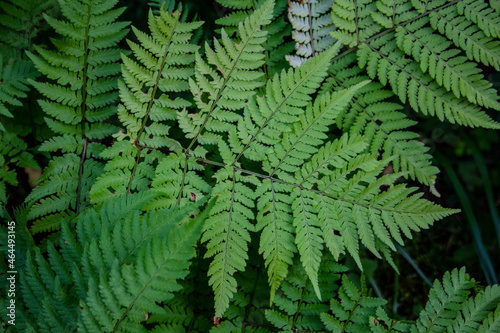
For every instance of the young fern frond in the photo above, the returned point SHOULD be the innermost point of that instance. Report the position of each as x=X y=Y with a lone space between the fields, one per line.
x=312 y=24
x=79 y=101
x=150 y=96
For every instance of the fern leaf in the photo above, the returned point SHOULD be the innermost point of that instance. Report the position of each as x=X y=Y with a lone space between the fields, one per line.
x=450 y=70
x=467 y=36
x=353 y=313
x=404 y=77
x=376 y=117
x=227 y=233
x=149 y=99
x=285 y=95
x=22 y=20
x=475 y=310
x=444 y=300
x=312 y=26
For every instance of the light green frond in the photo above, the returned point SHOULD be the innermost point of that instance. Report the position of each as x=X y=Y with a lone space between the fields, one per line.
x=445 y=64
x=220 y=93
x=286 y=95
x=384 y=60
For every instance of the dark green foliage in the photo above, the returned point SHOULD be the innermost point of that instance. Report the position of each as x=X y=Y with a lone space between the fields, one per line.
x=225 y=184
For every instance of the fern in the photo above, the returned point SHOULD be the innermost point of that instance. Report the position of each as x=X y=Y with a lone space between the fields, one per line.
x=81 y=99
x=437 y=77
x=21 y=21
x=312 y=24
x=150 y=97
x=302 y=166
x=148 y=261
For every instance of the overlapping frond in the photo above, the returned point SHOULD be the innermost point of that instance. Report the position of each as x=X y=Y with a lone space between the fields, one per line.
x=122 y=265
x=296 y=306
x=228 y=79
x=22 y=20
x=150 y=96
x=446 y=298
x=79 y=99
x=441 y=78
x=312 y=24
x=354 y=311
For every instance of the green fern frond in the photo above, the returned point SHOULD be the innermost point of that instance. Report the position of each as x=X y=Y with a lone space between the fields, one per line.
x=222 y=92
x=312 y=24
x=373 y=114
x=466 y=35
x=445 y=64
x=440 y=81
x=227 y=232
x=150 y=97
x=475 y=310
x=84 y=70
x=445 y=299
x=236 y=4
x=172 y=171
x=112 y=244
x=278 y=30
x=296 y=306
x=14 y=72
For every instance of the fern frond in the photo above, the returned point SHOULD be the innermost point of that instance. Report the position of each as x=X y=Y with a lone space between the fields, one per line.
x=445 y=64
x=78 y=104
x=475 y=310
x=286 y=95
x=227 y=232
x=384 y=60
x=173 y=171
x=278 y=30
x=373 y=114
x=150 y=98
x=355 y=310
x=14 y=72
x=466 y=35
x=444 y=301
x=296 y=306
x=312 y=24
x=441 y=81
x=113 y=244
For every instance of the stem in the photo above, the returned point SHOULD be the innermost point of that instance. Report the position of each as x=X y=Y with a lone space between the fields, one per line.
x=83 y=108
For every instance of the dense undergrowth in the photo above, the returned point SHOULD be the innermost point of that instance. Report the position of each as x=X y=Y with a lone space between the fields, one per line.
x=256 y=166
